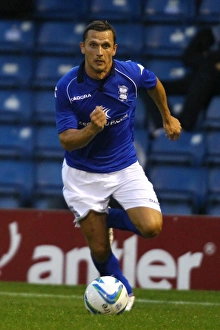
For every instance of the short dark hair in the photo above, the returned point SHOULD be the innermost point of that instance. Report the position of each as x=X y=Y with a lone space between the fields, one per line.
x=101 y=25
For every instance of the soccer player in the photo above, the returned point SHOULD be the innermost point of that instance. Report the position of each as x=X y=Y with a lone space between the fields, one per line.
x=95 y=106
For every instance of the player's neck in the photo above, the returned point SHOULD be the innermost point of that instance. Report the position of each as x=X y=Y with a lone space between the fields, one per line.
x=96 y=74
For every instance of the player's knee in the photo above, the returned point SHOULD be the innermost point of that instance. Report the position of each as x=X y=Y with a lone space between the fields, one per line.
x=152 y=228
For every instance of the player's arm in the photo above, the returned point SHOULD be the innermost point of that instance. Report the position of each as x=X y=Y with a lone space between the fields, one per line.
x=171 y=124
x=71 y=139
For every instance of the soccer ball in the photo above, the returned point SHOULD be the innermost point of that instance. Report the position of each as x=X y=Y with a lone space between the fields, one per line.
x=106 y=295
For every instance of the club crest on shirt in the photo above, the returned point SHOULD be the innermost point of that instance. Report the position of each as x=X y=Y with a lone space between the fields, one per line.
x=123 y=93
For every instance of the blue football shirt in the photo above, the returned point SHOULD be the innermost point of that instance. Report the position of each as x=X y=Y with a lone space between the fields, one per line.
x=77 y=95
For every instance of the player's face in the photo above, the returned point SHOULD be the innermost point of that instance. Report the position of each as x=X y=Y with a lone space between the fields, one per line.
x=98 y=48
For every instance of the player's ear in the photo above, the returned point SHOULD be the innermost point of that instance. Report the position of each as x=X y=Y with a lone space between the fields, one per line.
x=81 y=44
x=115 y=49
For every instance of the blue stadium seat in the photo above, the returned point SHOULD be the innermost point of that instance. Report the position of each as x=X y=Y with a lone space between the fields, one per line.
x=16 y=106
x=189 y=149
x=141 y=142
x=213 y=191
x=212 y=208
x=10 y=202
x=212 y=148
x=49 y=202
x=16 y=141
x=169 y=10
x=50 y=69
x=170 y=207
x=16 y=180
x=181 y=184
x=15 y=71
x=47 y=144
x=130 y=37
x=48 y=177
x=56 y=9
x=167 y=70
x=60 y=37
x=44 y=107
x=167 y=40
x=115 y=10
x=48 y=184
x=140 y=113
x=16 y=35
x=212 y=117
x=176 y=103
x=209 y=11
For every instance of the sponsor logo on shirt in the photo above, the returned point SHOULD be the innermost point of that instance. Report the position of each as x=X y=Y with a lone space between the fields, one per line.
x=109 y=122
x=80 y=97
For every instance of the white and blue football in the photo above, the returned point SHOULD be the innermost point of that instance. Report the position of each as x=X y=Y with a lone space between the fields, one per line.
x=106 y=295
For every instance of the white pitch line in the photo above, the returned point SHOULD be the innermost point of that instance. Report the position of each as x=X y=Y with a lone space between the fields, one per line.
x=144 y=301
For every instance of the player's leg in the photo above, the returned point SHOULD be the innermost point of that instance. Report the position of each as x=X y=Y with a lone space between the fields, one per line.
x=148 y=221
x=94 y=227
x=119 y=219
x=137 y=196
x=87 y=198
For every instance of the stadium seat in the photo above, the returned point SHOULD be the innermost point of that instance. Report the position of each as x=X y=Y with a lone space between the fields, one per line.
x=140 y=113
x=209 y=11
x=176 y=103
x=16 y=106
x=115 y=10
x=167 y=40
x=166 y=69
x=59 y=37
x=213 y=191
x=16 y=36
x=175 y=207
x=47 y=144
x=44 y=107
x=16 y=141
x=212 y=117
x=10 y=202
x=16 y=180
x=48 y=184
x=15 y=71
x=48 y=177
x=130 y=38
x=49 y=202
x=169 y=10
x=212 y=148
x=141 y=142
x=180 y=184
x=50 y=69
x=189 y=149
x=212 y=208
x=56 y=9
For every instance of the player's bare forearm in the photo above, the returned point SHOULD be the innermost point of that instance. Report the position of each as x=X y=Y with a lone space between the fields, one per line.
x=78 y=138
x=159 y=97
x=171 y=124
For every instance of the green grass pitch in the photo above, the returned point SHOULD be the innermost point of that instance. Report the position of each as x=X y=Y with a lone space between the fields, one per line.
x=49 y=307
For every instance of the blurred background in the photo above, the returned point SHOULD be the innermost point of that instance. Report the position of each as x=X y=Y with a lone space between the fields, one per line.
x=39 y=43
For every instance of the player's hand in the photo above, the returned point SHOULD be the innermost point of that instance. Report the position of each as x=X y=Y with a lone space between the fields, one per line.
x=98 y=119
x=217 y=66
x=172 y=128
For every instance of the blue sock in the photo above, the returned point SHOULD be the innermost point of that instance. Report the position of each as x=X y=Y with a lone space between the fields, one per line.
x=112 y=268
x=118 y=219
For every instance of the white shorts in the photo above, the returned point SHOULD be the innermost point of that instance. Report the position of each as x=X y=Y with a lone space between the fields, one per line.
x=84 y=191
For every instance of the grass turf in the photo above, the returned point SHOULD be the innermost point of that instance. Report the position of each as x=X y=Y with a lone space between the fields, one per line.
x=48 y=307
